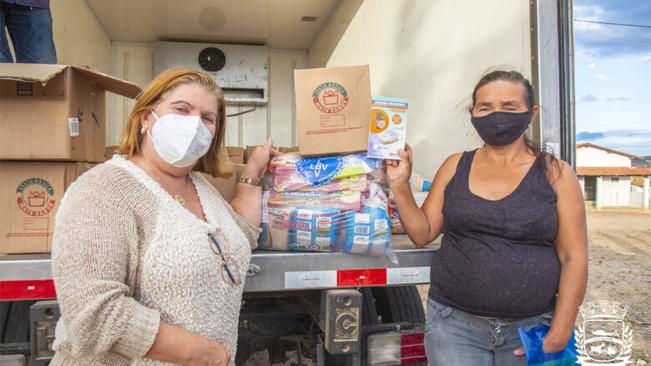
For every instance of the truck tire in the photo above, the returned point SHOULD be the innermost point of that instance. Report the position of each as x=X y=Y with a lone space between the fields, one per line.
x=399 y=304
x=369 y=312
x=14 y=321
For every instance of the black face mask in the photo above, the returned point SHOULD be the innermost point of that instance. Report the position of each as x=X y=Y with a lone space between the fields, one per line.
x=501 y=128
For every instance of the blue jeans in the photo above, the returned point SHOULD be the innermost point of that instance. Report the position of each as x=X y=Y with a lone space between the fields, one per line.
x=456 y=338
x=30 y=30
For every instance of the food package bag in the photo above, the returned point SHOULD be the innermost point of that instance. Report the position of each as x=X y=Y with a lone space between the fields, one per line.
x=367 y=232
x=314 y=229
x=290 y=172
x=394 y=216
x=326 y=204
x=275 y=229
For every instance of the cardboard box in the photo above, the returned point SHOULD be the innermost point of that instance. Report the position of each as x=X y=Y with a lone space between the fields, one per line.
x=249 y=151
x=30 y=194
x=332 y=109
x=388 y=128
x=109 y=151
x=236 y=154
x=288 y=149
x=55 y=112
x=226 y=186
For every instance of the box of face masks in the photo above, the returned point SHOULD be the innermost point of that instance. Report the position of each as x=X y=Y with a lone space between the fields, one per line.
x=388 y=127
x=55 y=112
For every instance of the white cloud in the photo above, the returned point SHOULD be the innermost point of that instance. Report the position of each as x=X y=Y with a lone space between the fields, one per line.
x=602 y=77
x=600 y=98
x=609 y=40
x=588 y=98
x=632 y=141
x=617 y=98
x=587 y=12
x=592 y=66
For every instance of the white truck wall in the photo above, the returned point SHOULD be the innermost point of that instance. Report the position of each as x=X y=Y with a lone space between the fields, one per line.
x=78 y=36
x=80 y=39
x=432 y=53
x=134 y=62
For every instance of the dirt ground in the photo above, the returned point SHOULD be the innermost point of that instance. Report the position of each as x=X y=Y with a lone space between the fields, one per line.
x=620 y=270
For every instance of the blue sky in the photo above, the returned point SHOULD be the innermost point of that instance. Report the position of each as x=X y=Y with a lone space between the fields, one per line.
x=613 y=74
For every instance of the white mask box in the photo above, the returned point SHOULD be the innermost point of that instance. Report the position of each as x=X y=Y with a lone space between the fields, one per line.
x=387 y=128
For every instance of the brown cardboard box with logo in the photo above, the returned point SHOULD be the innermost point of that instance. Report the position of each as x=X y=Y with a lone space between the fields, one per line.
x=30 y=194
x=282 y=149
x=332 y=109
x=249 y=151
x=236 y=154
x=226 y=186
x=55 y=112
x=285 y=150
x=110 y=151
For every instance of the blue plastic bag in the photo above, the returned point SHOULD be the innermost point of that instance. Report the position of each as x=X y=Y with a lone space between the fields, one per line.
x=532 y=340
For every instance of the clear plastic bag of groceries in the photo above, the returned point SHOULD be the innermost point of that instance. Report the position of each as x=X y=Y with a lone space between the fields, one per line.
x=327 y=204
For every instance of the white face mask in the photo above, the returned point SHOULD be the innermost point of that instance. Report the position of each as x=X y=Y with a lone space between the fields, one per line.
x=180 y=140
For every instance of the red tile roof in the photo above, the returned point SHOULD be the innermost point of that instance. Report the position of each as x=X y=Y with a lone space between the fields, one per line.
x=613 y=171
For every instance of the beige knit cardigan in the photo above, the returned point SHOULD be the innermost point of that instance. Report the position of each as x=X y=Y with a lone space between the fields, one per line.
x=126 y=255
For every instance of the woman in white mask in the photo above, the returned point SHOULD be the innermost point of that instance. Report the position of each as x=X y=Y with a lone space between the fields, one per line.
x=148 y=259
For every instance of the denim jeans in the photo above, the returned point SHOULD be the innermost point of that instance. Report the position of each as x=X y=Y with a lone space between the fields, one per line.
x=457 y=338
x=30 y=30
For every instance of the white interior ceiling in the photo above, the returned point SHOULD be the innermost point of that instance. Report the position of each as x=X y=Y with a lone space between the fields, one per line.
x=274 y=23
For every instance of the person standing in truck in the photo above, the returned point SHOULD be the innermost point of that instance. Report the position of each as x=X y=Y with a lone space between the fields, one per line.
x=148 y=259
x=514 y=246
x=29 y=24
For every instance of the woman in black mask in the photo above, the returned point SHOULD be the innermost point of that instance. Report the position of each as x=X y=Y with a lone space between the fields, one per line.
x=514 y=246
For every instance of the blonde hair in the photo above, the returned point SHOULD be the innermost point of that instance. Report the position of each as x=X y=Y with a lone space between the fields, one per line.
x=153 y=93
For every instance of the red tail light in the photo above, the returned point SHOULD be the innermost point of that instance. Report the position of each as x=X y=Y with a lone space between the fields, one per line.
x=412 y=348
x=386 y=349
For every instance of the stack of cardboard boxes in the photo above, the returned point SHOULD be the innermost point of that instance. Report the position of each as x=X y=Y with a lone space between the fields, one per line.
x=52 y=129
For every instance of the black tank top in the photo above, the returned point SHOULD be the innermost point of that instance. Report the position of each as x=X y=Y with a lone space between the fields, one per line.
x=498 y=258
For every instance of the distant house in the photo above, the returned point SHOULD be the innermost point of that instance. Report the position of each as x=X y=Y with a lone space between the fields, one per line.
x=606 y=175
x=645 y=162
